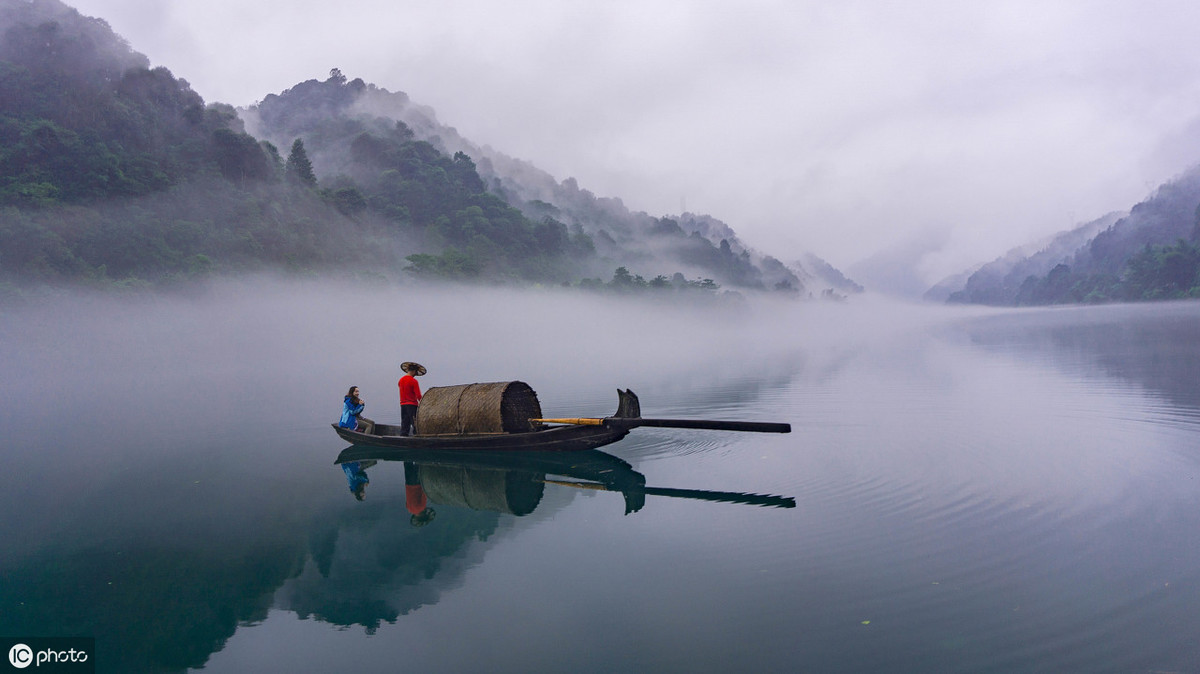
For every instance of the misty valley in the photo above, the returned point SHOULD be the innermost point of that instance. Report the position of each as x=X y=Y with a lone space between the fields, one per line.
x=1003 y=477
x=963 y=489
x=119 y=176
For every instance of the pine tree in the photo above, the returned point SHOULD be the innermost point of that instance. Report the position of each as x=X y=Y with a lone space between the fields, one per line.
x=298 y=167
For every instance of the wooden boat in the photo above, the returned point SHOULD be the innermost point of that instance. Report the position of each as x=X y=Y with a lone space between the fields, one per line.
x=542 y=437
x=589 y=464
x=562 y=438
x=513 y=482
x=544 y=434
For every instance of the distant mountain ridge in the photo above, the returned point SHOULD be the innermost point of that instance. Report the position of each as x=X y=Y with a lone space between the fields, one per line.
x=115 y=173
x=112 y=172
x=1152 y=252
x=83 y=116
x=999 y=282
x=699 y=245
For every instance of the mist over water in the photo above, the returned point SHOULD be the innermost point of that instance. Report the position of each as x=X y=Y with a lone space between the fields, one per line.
x=976 y=490
x=265 y=347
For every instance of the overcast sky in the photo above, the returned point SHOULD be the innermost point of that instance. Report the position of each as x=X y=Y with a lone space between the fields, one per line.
x=836 y=126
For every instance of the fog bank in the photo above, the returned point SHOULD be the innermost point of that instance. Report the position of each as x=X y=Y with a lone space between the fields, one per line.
x=116 y=360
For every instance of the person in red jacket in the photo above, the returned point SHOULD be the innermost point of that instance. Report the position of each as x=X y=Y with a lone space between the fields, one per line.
x=410 y=396
x=415 y=498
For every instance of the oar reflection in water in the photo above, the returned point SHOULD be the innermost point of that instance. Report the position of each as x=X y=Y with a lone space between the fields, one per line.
x=766 y=500
x=514 y=482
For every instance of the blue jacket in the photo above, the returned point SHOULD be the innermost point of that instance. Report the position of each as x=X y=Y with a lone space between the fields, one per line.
x=355 y=475
x=350 y=413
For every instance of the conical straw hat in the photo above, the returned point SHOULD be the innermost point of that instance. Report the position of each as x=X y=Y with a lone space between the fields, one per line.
x=415 y=369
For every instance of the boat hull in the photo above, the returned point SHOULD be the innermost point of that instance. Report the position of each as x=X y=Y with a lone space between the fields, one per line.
x=560 y=438
x=545 y=439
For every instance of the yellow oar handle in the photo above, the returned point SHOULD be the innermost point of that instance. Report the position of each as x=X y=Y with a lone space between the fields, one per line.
x=575 y=422
x=709 y=424
x=579 y=485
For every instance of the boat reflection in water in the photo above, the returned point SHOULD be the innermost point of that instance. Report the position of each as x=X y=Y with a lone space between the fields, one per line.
x=514 y=482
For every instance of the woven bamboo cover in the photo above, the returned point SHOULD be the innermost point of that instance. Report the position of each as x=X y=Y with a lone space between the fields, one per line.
x=497 y=407
x=516 y=493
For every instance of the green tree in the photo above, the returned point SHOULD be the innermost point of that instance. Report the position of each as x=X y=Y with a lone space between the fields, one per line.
x=298 y=167
x=239 y=156
x=623 y=281
x=465 y=173
x=451 y=264
x=348 y=200
x=273 y=159
x=1162 y=272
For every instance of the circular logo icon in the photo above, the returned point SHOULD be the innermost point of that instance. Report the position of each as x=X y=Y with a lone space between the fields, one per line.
x=20 y=656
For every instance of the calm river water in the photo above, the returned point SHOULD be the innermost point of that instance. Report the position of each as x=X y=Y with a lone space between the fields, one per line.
x=974 y=491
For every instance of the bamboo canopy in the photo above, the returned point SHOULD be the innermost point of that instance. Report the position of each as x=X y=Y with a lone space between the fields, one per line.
x=465 y=409
x=502 y=491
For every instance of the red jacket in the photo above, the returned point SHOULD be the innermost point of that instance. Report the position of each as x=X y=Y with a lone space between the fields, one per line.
x=415 y=499
x=410 y=391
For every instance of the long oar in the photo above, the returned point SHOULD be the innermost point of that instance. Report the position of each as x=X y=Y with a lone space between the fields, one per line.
x=709 y=424
x=703 y=495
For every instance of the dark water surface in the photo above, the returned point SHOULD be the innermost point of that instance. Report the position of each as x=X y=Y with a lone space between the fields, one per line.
x=974 y=491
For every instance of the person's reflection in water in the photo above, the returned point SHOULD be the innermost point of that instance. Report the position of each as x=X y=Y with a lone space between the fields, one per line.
x=356 y=475
x=414 y=496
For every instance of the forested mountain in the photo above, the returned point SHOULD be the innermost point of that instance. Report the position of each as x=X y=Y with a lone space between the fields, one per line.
x=364 y=137
x=1152 y=252
x=113 y=172
x=83 y=117
x=999 y=282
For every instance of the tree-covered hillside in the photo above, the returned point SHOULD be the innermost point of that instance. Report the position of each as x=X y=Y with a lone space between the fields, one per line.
x=376 y=168
x=114 y=172
x=999 y=281
x=1151 y=253
x=494 y=211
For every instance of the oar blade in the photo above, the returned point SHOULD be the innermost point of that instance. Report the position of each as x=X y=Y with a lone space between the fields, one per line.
x=704 y=424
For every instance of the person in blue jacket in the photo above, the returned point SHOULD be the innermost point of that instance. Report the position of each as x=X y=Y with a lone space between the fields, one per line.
x=353 y=406
x=356 y=476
